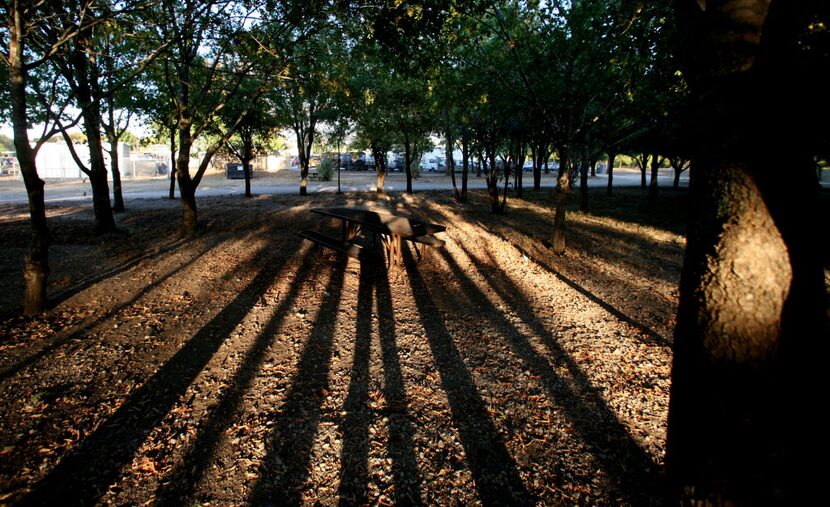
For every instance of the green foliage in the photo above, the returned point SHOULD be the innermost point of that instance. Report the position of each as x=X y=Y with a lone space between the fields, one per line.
x=326 y=169
x=6 y=143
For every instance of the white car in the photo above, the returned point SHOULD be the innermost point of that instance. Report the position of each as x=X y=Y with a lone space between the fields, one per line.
x=429 y=164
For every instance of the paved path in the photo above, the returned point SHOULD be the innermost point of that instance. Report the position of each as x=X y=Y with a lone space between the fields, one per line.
x=287 y=182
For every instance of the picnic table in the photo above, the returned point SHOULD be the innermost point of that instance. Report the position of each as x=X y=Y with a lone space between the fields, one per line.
x=391 y=228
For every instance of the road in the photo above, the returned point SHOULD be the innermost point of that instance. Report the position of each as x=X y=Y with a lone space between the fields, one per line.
x=287 y=182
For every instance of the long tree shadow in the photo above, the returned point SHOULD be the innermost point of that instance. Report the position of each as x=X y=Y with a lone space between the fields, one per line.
x=650 y=335
x=355 y=426
x=633 y=472
x=96 y=320
x=183 y=480
x=56 y=299
x=494 y=470
x=284 y=470
x=401 y=433
x=83 y=475
x=354 y=458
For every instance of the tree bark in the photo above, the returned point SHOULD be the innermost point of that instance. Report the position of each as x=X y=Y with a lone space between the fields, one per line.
x=451 y=164
x=36 y=261
x=752 y=330
x=247 y=156
x=246 y=169
x=611 y=158
x=540 y=159
x=112 y=138
x=86 y=80
x=465 y=166
x=379 y=153
x=563 y=188
x=407 y=156
x=643 y=168
x=172 y=194
x=583 y=183
x=187 y=187
x=679 y=165
x=652 y=187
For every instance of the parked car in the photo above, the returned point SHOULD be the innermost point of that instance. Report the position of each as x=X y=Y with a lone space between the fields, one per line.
x=429 y=164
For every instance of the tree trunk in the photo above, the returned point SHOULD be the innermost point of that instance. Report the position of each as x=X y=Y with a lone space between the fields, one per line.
x=519 y=174
x=112 y=139
x=611 y=158
x=583 y=184
x=652 y=187
x=172 y=194
x=734 y=284
x=539 y=159
x=407 y=156
x=643 y=168
x=676 y=183
x=303 y=162
x=451 y=165
x=465 y=166
x=36 y=261
x=91 y=111
x=593 y=168
x=751 y=334
x=563 y=188
x=379 y=152
x=246 y=168
x=247 y=155
x=187 y=192
x=187 y=188
x=118 y=196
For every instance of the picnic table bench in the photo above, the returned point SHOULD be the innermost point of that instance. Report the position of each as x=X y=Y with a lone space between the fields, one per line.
x=392 y=229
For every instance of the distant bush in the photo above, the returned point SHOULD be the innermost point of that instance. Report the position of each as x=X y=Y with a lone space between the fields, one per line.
x=325 y=169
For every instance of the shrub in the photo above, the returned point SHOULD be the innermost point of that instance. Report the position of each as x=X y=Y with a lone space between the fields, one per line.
x=325 y=169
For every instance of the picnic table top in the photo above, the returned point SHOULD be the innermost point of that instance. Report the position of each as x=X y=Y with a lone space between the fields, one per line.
x=383 y=222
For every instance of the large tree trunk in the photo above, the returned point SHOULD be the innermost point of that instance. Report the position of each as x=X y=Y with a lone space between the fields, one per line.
x=563 y=188
x=611 y=159
x=36 y=261
x=643 y=168
x=751 y=332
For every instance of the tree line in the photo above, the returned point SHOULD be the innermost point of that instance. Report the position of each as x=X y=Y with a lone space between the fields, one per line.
x=689 y=82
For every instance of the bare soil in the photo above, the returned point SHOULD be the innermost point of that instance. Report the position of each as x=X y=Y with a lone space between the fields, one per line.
x=245 y=366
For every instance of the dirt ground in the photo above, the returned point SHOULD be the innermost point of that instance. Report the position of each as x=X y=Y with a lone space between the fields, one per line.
x=244 y=366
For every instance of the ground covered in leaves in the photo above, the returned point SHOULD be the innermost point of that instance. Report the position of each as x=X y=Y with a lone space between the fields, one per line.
x=244 y=366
